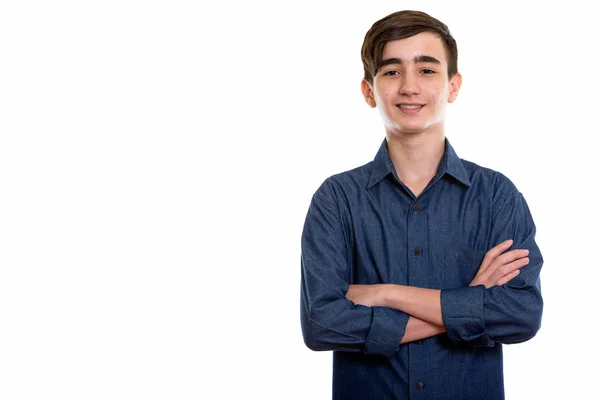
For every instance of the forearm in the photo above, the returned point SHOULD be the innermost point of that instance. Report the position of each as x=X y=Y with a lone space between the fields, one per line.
x=421 y=303
x=417 y=329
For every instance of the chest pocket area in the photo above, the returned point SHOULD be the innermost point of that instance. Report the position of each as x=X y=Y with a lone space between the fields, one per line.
x=460 y=266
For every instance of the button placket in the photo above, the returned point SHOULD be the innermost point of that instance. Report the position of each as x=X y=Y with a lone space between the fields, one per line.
x=416 y=244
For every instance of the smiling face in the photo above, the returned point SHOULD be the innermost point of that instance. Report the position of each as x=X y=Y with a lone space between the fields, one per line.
x=411 y=87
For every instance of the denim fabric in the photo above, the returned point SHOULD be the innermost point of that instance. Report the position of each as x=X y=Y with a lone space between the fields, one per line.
x=365 y=226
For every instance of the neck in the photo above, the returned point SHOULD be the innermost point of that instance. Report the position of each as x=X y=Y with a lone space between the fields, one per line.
x=416 y=157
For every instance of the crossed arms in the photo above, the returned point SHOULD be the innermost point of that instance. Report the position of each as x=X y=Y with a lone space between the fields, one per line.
x=424 y=305
x=502 y=303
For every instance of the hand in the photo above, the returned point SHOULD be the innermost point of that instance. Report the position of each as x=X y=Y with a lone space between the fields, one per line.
x=366 y=295
x=497 y=268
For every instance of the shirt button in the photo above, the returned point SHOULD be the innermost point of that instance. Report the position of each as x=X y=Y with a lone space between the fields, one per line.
x=417 y=251
x=420 y=385
x=416 y=207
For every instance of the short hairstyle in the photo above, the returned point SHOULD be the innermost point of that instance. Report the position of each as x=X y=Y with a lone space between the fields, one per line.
x=402 y=25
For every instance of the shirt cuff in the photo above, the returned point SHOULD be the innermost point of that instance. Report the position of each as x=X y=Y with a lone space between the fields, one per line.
x=387 y=329
x=462 y=313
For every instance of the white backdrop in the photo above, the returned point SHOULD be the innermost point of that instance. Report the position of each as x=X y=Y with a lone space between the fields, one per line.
x=157 y=160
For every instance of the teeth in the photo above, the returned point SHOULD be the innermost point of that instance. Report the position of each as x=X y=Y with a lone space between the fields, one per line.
x=409 y=107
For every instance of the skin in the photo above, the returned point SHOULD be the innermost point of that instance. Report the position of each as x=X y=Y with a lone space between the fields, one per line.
x=415 y=138
x=415 y=74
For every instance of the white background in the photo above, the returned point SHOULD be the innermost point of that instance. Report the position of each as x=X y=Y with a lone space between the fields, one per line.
x=157 y=160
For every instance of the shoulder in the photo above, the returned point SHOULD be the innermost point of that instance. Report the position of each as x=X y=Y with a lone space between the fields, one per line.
x=346 y=184
x=490 y=180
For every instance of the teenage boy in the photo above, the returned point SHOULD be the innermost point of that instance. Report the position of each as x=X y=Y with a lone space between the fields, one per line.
x=417 y=266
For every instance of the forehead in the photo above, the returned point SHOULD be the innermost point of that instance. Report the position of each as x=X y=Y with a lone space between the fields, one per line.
x=424 y=43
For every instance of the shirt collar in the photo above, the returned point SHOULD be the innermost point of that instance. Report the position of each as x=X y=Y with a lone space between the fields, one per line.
x=449 y=164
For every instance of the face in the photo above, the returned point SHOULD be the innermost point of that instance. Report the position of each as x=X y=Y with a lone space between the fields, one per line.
x=411 y=89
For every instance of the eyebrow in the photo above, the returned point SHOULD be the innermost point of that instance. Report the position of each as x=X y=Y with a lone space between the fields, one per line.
x=417 y=59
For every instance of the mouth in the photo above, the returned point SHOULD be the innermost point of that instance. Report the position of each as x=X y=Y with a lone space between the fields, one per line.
x=410 y=108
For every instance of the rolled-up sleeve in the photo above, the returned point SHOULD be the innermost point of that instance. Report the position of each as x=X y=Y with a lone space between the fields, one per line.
x=510 y=313
x=329 y=321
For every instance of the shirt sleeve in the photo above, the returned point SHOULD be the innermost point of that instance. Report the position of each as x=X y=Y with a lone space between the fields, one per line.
x=330 y=321
x=510 y=313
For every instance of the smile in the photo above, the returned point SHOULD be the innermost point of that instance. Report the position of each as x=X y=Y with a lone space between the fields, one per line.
x=410 y=109
x=409 y=106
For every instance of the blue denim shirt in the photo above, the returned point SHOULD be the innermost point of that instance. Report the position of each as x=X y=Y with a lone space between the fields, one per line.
x=364 y=226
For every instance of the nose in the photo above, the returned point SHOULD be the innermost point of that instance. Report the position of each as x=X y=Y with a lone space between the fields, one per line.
x=409 y=85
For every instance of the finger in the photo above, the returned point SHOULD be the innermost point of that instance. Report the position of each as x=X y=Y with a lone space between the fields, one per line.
x=508 y=269
x=507 y=278
x=512 y=256
x=503 y=260
x=493 y=253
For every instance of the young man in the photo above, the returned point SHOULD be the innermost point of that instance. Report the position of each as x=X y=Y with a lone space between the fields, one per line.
x=417 y=266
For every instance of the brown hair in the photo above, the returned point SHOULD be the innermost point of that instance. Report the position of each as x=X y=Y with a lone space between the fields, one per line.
x=401 y=25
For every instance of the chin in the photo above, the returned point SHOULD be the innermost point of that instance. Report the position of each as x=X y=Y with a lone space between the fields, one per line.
x=407 y=129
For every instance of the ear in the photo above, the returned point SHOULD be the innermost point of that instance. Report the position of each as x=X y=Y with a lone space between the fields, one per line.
x=367 y=92
x=455 y=83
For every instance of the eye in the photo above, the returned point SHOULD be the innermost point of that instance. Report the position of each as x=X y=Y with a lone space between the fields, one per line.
x=427 y=71
x=391 y=73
